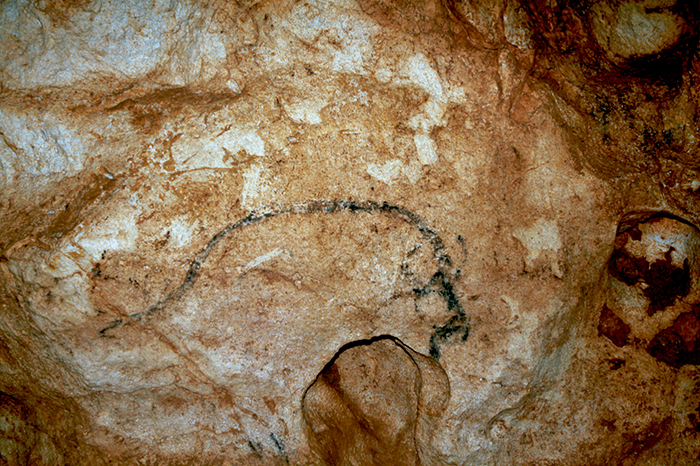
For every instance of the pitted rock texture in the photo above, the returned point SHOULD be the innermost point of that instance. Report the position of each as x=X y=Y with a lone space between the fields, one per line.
x=349 y=232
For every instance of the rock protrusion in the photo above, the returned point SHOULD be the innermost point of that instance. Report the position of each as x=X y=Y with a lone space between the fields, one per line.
x=371 y=405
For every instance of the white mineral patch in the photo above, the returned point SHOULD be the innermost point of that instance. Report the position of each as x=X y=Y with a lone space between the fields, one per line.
x=383 y=75
x=543 y=235
x=516 y=27
x=541 y=239
x=635 y=29
x=422 y=74
x=357 y=46
x=37 y=145
x=124 y=368
x=116 y=39
x=181 y=231
x=307 y=111
x=248 y=141
x=264 y=258
x=252 y=185
x=427 y=149
x=213 y=151
x=118 y=232
x=389 y=172
x=341 y=36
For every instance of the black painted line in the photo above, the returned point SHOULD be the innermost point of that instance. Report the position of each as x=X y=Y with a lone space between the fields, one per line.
x=440 y=282
x=279 y=445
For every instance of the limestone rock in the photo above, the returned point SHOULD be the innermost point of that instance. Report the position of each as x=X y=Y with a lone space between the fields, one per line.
x=372 y=404
x=349 y=232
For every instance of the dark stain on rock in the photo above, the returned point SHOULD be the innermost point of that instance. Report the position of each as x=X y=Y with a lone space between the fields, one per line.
x=647 y=439
x=615 y=363
x=609 y=425
x=613 y=328
x=629 y=270
x=635 y=233
x=279 y=445
x=96 y=271
x=665 y=282
x=257 y=448
x=679 y=344
x=458 y=323
x=694 y=420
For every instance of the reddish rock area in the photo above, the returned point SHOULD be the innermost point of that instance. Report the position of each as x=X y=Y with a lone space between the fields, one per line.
x=350 y=232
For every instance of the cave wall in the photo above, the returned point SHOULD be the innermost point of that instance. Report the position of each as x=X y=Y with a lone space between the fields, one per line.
x=349 y=232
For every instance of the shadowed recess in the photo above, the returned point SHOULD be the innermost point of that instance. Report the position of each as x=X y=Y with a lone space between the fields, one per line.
x=654 y=270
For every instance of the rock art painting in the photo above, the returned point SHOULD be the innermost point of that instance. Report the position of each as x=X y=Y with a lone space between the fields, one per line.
x=350 y=232
x=439 y=283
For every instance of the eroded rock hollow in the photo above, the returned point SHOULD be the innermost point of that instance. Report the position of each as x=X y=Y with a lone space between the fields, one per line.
x=350 y=232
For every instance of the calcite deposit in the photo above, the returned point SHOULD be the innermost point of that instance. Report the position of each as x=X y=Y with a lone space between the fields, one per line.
x=350 y=232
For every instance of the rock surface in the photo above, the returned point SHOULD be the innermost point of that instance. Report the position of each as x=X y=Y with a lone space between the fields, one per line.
x=350 y=232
